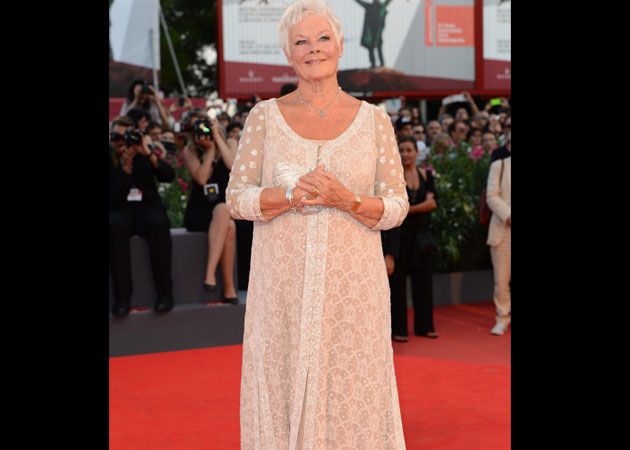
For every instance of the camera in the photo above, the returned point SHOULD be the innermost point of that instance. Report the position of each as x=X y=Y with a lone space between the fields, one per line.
x=146 y=90
x=202 y=128
x=170 y=147
x=133 y=137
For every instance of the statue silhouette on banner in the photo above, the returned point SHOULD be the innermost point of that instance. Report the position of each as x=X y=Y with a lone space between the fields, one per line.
x=373 y=25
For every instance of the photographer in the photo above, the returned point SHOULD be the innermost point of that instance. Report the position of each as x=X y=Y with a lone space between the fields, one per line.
x=141 y=95
x=154 y=130
x=135 y=207
x=140 y=118
x=468 y=106
x=209 y=160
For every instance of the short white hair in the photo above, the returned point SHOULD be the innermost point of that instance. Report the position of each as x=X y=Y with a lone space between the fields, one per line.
x=301 y=9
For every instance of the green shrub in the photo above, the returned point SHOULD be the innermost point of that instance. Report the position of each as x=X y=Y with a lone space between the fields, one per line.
x=176 y=193
x=460 y=175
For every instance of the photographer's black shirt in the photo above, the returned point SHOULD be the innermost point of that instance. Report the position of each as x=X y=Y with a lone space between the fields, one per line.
x=143 y=176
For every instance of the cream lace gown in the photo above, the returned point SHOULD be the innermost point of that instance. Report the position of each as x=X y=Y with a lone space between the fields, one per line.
x=317 y=368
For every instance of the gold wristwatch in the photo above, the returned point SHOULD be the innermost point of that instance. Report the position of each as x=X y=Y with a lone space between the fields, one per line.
x=356 y=204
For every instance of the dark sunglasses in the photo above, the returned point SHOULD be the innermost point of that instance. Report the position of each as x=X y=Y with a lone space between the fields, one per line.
x=114 y=136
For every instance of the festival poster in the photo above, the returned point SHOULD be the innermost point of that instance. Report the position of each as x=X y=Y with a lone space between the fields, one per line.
x=389 y=46
x=497 y=44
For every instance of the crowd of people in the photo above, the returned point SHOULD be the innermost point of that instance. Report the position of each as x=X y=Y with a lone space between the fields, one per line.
x=146 y=132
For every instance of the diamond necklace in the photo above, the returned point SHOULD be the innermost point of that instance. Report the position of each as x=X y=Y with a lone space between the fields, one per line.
x=321 y=111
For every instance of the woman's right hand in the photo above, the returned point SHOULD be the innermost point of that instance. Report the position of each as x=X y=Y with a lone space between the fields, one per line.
x=204 y=141
x=298 y=194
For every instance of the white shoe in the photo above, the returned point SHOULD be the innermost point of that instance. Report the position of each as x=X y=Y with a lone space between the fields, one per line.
x=501 y=327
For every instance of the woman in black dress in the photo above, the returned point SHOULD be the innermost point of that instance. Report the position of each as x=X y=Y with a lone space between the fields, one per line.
x=209 y=160
x=416 y=249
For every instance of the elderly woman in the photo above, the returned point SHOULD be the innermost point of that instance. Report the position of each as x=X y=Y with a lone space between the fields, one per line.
x=320 y=175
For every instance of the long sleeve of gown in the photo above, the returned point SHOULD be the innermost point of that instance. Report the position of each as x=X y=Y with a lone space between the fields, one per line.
x=390 y=182
x=243 y=190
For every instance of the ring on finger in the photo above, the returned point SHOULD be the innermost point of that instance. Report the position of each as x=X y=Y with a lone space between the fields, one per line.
x=316 y=192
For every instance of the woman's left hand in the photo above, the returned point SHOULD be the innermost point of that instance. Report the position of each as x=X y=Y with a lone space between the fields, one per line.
x=145 y=147
x=326 y=188
x=214 y=126
x=153 y=96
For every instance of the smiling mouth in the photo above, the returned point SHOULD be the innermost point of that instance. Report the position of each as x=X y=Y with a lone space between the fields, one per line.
x=315 y=61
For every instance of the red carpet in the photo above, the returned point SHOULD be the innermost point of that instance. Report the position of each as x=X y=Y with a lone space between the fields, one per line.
x=454 y=391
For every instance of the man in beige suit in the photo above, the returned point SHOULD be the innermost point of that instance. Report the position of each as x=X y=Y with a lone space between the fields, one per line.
x=499 y=198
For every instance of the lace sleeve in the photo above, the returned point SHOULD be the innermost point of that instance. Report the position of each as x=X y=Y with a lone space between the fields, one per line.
x=243 y=190
x=390 y=182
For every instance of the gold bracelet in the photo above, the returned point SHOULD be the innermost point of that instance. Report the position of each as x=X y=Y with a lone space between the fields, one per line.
x=356 y=204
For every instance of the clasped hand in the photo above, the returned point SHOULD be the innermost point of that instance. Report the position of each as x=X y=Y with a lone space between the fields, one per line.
x=321 y=188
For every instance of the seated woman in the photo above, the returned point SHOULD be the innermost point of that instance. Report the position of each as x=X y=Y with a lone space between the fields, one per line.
x=209 y=160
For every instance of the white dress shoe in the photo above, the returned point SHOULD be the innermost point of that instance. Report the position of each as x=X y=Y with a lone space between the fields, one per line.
x=501 y=327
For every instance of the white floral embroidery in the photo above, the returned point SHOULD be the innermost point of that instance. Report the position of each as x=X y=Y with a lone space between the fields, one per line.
x=242 y=167
x=393 y=172
x=390 y=191
x=254 y=152
x=237 y=157
x=249 y=129
x=261 y=117
x=391 y=138
x=248 y=140
x=382 y=149
x=382 y=185
x=391 y=161
x=380 y=127
x=383 y=115
x=384 y=137
x=258 y=128
x=255 y=111
x=244 y=179
x=252 y=164
x=240 y=146
x=382 y=160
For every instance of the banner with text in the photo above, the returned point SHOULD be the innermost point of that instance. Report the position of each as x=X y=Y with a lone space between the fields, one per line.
x=497 y=44
x=390 y=46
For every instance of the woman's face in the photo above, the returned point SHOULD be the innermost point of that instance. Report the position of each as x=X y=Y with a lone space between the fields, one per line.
x=408 y=154
x=461 y=114
x=314 y=53
x=489 y=140
x=475 y=138
x=136 y=90
x=143 y=123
